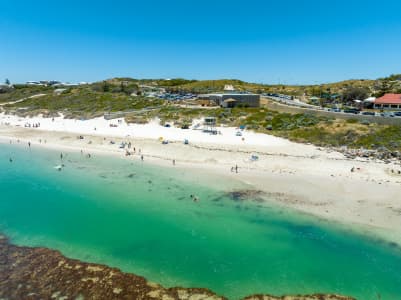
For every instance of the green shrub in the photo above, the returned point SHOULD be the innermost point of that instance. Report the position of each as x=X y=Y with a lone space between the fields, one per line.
x=352 y=121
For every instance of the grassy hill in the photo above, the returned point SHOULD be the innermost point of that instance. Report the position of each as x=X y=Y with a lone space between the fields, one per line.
x=80 y=102
x=207 y=86
x=372 y=87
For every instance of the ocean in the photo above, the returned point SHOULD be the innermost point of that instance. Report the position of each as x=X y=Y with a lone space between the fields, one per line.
x=142 y=219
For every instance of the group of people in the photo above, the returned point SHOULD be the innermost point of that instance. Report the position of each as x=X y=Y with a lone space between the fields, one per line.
x=34 y=125
x=128 y=152
x=234 y=169
x=194 y=198
x=88 y=155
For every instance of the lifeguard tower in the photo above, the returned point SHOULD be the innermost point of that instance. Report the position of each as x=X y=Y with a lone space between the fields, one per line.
x=209 y=125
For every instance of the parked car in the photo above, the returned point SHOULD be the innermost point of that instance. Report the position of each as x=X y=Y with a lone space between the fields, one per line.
x=397 y=113
x=368 y=113
x=351 y=111
x=388 y=114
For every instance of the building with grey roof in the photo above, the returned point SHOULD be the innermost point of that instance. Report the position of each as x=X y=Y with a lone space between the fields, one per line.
x=233 y=99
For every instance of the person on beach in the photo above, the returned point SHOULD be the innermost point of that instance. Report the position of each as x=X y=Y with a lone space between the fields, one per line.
x=194 y=198
x=142 y=157
x=29 y=144
x=236 y=168
x=173 y=162
x=61 y=156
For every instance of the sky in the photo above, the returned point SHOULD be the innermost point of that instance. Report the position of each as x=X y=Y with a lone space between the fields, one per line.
x=282 y=41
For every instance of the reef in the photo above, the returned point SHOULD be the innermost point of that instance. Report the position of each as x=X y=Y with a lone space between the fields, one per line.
x=41 y=273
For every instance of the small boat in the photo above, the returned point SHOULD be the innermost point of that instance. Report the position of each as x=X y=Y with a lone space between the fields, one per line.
x=59 y=167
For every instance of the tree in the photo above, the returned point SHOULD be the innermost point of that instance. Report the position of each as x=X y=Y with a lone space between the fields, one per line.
x=7 y=81
x=106 y=86
x=383 y=87
x=354 y=93
x=122 y=86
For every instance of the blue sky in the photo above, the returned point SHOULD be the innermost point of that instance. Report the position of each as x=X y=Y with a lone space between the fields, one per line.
x=284 y=41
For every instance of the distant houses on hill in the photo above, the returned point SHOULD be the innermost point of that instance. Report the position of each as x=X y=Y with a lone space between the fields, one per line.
x=53 y=83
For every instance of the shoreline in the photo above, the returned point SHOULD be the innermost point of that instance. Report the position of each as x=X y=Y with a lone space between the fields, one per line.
x=296 y=176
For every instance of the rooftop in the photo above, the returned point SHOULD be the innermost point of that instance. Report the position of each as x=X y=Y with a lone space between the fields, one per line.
x=389 y=99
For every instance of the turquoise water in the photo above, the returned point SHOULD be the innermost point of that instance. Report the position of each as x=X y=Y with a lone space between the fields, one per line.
x=141 y=219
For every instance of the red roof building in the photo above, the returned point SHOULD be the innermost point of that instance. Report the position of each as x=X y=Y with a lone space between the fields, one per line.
x=388 y=101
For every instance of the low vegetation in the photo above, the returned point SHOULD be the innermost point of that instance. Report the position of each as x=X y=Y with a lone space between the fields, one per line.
x=20 y=91
x=122 y=97
x=83 y=102
x=345 y=133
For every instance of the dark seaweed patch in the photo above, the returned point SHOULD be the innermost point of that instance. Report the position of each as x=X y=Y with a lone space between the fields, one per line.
x=244 y=195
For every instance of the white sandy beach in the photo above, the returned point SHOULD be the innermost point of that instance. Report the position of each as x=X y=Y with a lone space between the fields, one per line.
x=299 y=176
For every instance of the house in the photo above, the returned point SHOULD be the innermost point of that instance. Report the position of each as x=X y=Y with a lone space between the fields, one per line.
x=388 y=101
x=315 y=100
x=229 y=88
x=33 y=83
x=233 y=99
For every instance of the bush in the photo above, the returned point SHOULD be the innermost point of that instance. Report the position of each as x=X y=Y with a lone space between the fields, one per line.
x=352 y=121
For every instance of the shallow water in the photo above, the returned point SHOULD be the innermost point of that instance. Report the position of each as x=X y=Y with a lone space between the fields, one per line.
x=141 y=219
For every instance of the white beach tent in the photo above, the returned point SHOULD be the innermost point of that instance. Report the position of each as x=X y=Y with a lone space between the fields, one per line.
x=370 y=100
